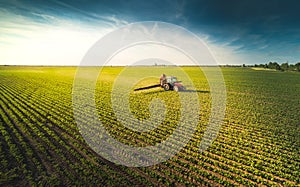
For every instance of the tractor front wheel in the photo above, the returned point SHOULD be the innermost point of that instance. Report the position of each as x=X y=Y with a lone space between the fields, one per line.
x=166 y=87
x=175 y=88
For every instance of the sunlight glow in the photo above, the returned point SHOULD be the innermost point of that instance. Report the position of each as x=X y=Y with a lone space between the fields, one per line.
x=25 y=41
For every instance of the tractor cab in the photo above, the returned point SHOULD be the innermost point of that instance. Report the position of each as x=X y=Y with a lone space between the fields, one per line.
x=171 y=79
x=173 y=84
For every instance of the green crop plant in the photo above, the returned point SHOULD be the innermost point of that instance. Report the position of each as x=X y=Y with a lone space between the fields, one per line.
x=40 y=143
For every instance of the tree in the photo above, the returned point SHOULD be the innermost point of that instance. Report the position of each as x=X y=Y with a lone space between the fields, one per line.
x=292 y=67
x=274 y=65
x=297 y=65
x=284 y=66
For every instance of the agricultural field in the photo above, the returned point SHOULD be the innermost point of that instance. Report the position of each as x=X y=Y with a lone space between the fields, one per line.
x=258 y=143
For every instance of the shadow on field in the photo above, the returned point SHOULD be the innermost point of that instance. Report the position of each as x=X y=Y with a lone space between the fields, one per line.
x=198 y=91
x=185 y=91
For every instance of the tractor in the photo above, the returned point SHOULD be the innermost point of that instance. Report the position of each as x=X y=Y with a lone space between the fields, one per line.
x=167 y=83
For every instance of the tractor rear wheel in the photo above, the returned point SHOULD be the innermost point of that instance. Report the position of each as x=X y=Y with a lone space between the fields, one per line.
x=166 y=87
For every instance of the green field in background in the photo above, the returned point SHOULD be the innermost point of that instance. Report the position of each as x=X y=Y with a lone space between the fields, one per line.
x=258 y=144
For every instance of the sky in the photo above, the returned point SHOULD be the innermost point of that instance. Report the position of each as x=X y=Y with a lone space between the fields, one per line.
x=236 y=31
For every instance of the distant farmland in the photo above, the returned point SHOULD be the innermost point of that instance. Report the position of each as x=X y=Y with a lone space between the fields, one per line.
x=258 y=144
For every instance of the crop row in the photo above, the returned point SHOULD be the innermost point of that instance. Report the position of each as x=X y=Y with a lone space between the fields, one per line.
x=41 y=144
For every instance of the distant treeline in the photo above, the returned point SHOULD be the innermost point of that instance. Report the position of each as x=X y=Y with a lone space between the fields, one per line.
x=282 y=67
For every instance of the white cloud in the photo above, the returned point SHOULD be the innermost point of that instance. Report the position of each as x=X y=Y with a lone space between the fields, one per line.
x=139 y=53
x=225 y=54
x=25 y=41
x=148 y=40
